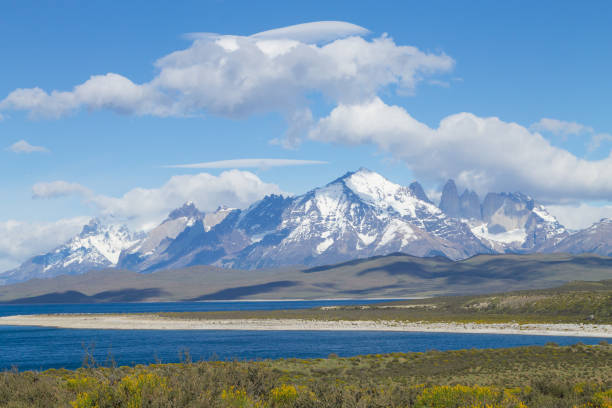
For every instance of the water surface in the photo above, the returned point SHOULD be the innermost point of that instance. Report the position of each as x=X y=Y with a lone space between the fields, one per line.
x=35 y=348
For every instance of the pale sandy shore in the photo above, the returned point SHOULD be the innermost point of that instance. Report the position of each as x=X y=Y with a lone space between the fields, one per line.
x=151 y=322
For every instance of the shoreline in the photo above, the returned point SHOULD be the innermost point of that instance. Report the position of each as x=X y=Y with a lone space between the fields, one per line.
x=153 y=322
x=257 y=300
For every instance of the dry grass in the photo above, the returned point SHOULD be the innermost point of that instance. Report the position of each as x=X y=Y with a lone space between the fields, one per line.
x=548 y=376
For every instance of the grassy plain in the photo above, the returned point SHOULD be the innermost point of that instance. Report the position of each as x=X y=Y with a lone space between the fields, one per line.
x=575 y=302
x=545 y=376
x=393 y=276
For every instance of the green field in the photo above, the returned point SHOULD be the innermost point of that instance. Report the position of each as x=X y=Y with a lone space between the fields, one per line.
x=548 y=376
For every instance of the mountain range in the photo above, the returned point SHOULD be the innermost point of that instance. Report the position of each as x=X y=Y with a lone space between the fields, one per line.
x=358 y=215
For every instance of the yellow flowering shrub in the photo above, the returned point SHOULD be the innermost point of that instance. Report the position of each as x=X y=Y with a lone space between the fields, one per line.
x=80 y=383
x=284 y=395
x=136 y=385
x=461 y=396
x=603 y=399
x=234 y=397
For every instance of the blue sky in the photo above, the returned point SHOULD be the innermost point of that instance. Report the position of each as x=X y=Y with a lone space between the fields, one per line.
x=518 y=61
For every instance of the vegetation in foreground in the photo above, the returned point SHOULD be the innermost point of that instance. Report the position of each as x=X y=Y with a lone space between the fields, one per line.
x=575 y=302
x=548 y=376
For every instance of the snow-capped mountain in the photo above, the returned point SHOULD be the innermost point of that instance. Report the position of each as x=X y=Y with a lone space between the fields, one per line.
x=596 y=239
x=360 y=214
x=98 y=246
x=505 y=222
x=158 y=239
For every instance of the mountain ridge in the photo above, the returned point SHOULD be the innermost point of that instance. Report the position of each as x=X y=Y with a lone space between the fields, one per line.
x=358 y=215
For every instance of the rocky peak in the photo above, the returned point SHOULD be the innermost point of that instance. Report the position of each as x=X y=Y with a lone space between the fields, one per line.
x=515 y=205
x=418 y=192
x=188 y=210
x=93 y=227
x=449 y=203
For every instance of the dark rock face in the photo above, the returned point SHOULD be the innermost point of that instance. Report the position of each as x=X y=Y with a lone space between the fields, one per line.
x=418 y=192
x=469 y=203
x=449 y=202
x=265 y=215
x=514 y=206
x=188 y=210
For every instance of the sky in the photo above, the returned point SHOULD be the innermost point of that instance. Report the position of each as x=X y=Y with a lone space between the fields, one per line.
x=125 y=111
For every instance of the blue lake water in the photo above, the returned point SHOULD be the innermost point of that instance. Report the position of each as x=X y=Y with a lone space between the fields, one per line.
x=33 y=348
x=6 y=310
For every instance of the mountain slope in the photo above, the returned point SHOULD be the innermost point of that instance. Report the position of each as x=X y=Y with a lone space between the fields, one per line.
x=597 y=239
x=516 y=223
x=96 y=247
x=504 y=222
x=358 y=215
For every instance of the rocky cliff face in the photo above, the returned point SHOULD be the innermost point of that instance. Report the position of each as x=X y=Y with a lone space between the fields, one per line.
x=449 y=203
x=516 y=223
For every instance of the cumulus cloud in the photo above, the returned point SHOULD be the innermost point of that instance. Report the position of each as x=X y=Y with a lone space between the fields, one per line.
x=246 y=163
x=58 y=188
x=484 y=154
x=143 y=208
x=22 y=240
x=24 y=147
x=236 y=76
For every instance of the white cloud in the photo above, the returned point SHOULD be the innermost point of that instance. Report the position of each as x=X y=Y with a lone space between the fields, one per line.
x=597 y=139
x=484 y=154
x=563 y=128
x=24 y=147
x=560 y=127
x=235 y=76
x=22 y=240
x=246 y=163
x=579 y=216
x=143 y=208
x=58 y=188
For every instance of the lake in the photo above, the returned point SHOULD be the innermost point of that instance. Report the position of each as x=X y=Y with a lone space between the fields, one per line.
x=33 y=348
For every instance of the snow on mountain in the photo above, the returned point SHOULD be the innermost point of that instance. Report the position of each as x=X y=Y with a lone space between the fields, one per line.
x=504 y=222
x=515 y=222
x=158 y=239
x=360 y=214
x=98 y=246
x=596 y=239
